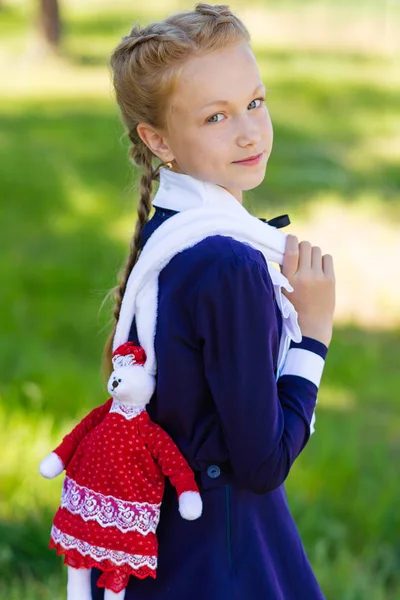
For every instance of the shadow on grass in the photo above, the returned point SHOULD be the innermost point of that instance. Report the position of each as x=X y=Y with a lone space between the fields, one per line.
x=24 y=547
x=63 y=173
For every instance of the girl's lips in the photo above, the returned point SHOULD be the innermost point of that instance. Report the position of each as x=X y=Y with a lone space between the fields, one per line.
x=252 y=160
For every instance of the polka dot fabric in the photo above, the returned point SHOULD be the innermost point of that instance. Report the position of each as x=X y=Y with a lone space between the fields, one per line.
x=116 y=461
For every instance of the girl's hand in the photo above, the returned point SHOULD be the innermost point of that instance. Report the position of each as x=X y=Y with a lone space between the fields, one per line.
x=313 y=279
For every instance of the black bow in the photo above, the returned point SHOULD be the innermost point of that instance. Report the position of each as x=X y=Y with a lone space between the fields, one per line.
x=278 y=222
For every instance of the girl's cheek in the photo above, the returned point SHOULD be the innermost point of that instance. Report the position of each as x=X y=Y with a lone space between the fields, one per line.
x=265 y=116
x=266 y=127
x=217 y=138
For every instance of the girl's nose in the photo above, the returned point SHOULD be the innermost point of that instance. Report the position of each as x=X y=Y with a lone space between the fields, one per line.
x=249 y=135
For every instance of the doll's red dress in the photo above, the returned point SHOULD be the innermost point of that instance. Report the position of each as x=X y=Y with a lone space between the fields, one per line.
x=115 y=460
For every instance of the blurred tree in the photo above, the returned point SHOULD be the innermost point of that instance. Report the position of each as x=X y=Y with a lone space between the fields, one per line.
x=50 y=22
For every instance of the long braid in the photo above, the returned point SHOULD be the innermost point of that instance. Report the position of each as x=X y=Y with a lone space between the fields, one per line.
x=141 y=155
x=145 y=68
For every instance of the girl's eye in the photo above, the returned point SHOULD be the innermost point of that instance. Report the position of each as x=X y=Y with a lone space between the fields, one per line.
x=214 y=119
x=260 y=100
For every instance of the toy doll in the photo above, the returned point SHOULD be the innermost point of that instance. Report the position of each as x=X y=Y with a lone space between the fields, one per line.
x=116 y=460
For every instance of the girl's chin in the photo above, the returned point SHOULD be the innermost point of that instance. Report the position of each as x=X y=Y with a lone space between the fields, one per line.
x=250 y=183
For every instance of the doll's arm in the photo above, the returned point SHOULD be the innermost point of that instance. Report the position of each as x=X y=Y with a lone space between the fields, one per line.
x=56 y=461
x=173 y=465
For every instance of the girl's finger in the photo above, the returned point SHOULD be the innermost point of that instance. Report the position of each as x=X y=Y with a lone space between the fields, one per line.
x=291 y=256
x=327 y=266
x=316 y=259
x=304 y=255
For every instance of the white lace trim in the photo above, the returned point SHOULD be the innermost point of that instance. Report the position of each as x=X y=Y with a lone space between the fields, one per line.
x=289 y=313
x=126 y=410
x=126 y=360
x=108 y=511
x=119 y=558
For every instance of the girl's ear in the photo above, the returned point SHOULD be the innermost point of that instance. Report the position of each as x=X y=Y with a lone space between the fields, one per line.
x=156 y=141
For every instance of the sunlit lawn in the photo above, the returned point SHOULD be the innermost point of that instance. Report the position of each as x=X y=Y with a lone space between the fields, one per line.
x=67 y=210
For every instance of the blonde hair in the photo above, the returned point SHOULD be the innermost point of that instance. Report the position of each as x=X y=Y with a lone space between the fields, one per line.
x=145 y=68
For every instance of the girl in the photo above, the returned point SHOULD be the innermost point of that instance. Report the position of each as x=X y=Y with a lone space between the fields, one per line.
x=236 y=399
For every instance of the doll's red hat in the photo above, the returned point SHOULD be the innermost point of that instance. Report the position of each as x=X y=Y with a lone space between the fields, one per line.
x=128 y=354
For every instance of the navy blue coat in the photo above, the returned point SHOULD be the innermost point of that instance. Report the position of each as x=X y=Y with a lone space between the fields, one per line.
x=216 y=344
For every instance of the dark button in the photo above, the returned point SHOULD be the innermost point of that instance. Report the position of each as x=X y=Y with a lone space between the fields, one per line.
x=213 y=471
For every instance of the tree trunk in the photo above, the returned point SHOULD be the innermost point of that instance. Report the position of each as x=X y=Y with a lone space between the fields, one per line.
x=50 y=22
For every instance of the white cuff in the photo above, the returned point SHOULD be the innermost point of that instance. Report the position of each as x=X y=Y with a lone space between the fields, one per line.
x=304 y=363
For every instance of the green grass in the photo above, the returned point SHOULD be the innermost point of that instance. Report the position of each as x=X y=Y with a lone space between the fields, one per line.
x=67 y=209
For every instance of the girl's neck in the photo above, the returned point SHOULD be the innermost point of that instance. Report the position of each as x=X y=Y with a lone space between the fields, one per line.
x=237 y=194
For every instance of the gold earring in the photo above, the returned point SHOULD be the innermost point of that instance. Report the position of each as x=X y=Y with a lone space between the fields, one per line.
x=169 y=165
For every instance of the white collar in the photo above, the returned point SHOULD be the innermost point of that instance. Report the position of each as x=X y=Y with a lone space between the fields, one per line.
x=128 y=411
x=178 y=191
x=213 y=211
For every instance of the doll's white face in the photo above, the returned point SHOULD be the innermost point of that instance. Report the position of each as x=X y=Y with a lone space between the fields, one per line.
x=217 y=117
x=130 y=385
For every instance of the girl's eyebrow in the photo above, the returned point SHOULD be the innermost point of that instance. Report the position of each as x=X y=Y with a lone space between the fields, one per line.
x=226 y=102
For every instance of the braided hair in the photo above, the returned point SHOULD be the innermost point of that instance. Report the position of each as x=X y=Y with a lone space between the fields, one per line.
x=145 y=68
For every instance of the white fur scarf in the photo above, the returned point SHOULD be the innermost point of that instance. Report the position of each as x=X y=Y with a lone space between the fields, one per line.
x=182 y=231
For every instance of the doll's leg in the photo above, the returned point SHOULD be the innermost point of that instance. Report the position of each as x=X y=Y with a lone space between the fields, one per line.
x=110 y=595
x=78 y=586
